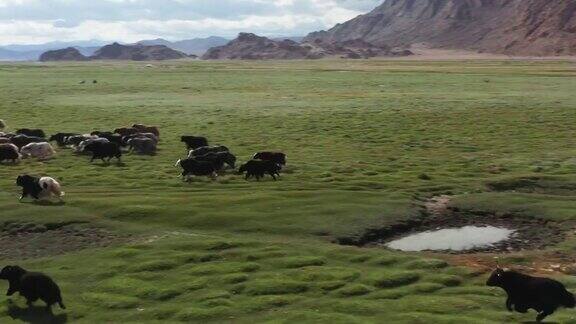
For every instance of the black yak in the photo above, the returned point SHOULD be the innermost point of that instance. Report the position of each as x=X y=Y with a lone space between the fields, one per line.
x=60 y=138
x=219 y=159
x=9 y=152
x=207 y=150
x=194 y=142
x=33 y=286
x=276 y=157
x=104 y=150
x=258 y=168
x=525 y=292
x=31 y=132
x=192 y=167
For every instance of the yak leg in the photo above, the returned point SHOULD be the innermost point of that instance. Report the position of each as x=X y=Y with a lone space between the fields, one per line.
x=273 y=176
x=509 y=304
x=541 y=316
x=521 y=308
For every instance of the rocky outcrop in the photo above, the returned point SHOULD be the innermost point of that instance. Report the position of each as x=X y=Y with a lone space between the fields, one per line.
x=137 y=52
x=66 y=54
x=514 y=27
x=252 y=47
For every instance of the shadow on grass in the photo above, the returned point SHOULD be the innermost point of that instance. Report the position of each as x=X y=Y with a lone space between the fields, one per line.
x=35 y=315
x=44 y=203
x=107 y=165
x=49 y=203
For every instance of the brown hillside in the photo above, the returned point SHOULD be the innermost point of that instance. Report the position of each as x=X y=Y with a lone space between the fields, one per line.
x=514 y=27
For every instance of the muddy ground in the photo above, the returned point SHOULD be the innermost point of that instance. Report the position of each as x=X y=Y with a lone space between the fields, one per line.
x=20 y=241
x=436 y=213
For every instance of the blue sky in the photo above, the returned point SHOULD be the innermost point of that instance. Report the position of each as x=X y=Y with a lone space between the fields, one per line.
x=39 y=21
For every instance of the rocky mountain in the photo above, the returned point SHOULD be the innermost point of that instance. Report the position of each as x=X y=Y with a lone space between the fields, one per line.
x=252 y=47
x=137 y=52
x=66 y=54
x=195 y=46
x=514 y=27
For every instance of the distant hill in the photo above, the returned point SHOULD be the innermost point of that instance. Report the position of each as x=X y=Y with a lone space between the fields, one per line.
x=9 y=55
x=249 y=46
x=196 y=46
x=32 y=52
x=514 y=27
x=66 y=54
x=137 y=52
x=253 y=47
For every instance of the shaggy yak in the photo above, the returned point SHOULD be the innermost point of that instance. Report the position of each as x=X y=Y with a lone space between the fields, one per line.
x=33 y=286
x=276 y=157
x=60 y=138
x=207 y=150
x=39 y=188
x=126 y=131
x=192 y=167
x=218 y=159
x=75 y=140
x=147 y=129
x=23 y=140
x=31 y=132
x=525 y=292
x=194 y=142
x=142 y=145
x=104 y=150
x=9 y=152
x=258 y=168
x=38 y=150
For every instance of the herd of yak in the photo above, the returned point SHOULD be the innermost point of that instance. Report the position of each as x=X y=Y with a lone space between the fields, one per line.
x=524 y=292
x=202 y=159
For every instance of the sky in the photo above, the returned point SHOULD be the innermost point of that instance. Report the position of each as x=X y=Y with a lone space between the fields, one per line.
x=41 y=21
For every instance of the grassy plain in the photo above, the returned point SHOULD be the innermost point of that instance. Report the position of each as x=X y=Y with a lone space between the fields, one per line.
x=364 y=140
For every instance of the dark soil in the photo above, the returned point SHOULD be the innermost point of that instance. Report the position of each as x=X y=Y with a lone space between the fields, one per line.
x=28 y=240
x=530 y=233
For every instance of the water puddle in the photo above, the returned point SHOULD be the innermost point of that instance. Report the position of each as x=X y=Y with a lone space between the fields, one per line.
x=453 y=239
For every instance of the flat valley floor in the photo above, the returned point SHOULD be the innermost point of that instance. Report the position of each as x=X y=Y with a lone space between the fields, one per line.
x=368 y=144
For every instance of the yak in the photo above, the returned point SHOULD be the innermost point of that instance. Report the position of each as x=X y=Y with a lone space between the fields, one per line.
x=525 y=292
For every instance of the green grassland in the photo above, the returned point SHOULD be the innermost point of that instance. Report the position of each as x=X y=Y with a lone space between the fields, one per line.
x=365 y=140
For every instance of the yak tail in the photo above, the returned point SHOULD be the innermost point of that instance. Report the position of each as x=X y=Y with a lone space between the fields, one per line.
x=569 y=301
x=178 y=163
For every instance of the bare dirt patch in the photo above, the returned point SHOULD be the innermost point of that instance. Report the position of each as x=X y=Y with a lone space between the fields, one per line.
x=436 y=213
x=29 y=240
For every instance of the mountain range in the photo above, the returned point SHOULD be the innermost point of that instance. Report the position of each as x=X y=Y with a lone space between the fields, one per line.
x=196 y=46
x=513 y=27
x=116 y=51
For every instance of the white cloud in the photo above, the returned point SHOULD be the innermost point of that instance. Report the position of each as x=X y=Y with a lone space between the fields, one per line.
x=36 y=21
